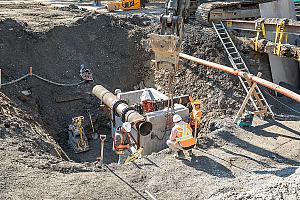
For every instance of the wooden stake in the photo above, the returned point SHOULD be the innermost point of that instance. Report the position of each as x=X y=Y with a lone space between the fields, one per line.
x=30 y=71
x=254 y=84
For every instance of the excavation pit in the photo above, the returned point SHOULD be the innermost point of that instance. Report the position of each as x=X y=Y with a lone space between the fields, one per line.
x=110 y=47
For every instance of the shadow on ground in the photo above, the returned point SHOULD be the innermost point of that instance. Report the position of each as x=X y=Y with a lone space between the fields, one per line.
x=259 y=130
x=281 y=173
x=210 y=166
x=229 y=137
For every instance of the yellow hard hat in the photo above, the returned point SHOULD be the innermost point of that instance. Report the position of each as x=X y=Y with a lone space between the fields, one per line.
x=197 y=102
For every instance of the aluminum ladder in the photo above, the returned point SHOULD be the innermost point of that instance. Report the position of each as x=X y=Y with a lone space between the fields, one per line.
x=259 y=102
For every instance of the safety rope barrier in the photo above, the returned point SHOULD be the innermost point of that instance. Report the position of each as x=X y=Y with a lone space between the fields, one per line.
x=15 y=81
x=30 y=74
x=58 y=84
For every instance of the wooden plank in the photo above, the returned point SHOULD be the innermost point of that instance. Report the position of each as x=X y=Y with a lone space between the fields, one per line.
x=61 y=99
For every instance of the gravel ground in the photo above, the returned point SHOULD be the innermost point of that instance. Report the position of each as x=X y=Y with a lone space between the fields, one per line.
x=261 y=162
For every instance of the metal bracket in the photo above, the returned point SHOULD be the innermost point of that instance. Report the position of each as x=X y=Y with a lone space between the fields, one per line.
x=125 y=111
x=166 y=49
x=86 y=74
x=114 y=107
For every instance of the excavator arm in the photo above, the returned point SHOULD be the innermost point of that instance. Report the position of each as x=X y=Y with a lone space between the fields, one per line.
x=177 y=12
x=167 y=44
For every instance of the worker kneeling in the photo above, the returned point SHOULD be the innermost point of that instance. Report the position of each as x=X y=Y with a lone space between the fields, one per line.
x=122 y=142
x=181 y=137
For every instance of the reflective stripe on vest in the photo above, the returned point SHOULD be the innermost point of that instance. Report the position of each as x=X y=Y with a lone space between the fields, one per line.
x=196 y=114
x=186 y=133
x=115 y=147
x=196 y=117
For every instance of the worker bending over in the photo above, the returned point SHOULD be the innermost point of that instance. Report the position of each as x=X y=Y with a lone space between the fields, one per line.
x=122 y=142
x=181 y=137
x=195 y=118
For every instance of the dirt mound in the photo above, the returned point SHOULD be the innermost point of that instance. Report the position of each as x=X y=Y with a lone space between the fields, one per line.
x=221 y=94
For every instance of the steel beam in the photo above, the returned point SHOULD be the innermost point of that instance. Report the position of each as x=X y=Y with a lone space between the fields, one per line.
x=292 y=26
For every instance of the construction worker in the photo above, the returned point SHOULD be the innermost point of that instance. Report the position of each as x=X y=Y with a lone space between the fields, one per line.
x=195 y=118
x=181 y=137
x=122 y=142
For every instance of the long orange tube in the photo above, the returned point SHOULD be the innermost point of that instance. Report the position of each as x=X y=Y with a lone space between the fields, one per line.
x=256 y=79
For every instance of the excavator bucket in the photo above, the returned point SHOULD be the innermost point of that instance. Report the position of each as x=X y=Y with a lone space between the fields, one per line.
x=166 y=49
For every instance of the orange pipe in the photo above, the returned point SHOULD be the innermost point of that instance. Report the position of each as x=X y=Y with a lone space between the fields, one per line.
x=256 y=79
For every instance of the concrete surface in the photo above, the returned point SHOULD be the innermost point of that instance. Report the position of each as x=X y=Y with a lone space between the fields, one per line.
x=283 y=69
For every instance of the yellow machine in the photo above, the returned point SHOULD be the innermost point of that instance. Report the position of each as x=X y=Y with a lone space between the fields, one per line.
x=77 y=138
x=125 y=5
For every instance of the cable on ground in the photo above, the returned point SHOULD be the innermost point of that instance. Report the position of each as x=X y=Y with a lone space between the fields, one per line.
x=112 y=171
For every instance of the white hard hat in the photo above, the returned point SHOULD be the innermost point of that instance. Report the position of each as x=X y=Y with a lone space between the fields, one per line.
x=126 y=126
x=176 y=118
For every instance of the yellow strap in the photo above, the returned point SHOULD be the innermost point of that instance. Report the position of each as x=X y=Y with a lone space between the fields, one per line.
x=263 y=30
x=80 y=133
x=260 y=27
x=279 y=37
x=256 y=41
x=134 y=156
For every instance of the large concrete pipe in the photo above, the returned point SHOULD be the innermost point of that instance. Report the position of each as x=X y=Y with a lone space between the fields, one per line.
x=121 y=108
x=256 y=79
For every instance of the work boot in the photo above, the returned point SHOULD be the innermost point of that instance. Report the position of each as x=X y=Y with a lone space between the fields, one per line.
x=190 y=152
x=180 y=155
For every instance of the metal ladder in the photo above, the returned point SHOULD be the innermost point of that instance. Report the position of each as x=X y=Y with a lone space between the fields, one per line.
x=260 y=104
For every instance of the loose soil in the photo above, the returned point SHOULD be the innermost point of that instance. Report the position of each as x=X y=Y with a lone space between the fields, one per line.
x=230 y=163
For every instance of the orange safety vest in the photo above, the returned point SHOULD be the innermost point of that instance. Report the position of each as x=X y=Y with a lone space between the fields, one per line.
x=195 y=118
x=184 y=135
x=115 y=147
